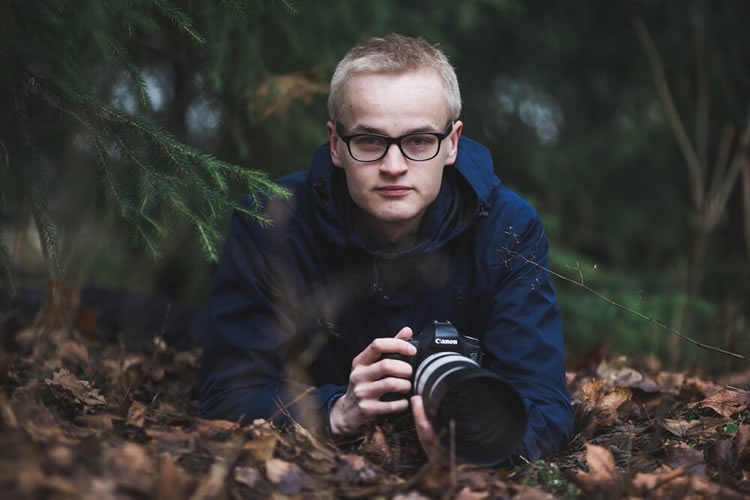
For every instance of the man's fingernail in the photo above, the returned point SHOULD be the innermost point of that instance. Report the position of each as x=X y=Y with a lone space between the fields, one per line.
x=412 y=349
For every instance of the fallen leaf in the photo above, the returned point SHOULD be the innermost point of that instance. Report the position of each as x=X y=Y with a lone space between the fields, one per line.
x=645 y=482
x=680 y=455
x=412 y=495
x=98 y=422
x=741 y=441
x=467 y=493
x=679 y=428
x=262 y=447
x=602 y=474
x=249 y=476
x=80 y=389
x=288 y=476
x=704 y=387
x=132 y=466
x=722 y=455
x=670 y=382
x=726 y=402
x=173 y=483
x=136 y=414
x=617 y=372
x=60 y=456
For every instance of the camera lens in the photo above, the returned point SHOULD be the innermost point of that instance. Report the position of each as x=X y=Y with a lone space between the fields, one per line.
x=488 y=414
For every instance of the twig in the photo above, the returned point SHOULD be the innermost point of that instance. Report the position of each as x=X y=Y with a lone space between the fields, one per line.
x=660 y=80
x=283 y=407
x=655 y=321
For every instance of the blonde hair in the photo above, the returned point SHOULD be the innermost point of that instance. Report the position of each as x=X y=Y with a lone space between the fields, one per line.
x=394 y=54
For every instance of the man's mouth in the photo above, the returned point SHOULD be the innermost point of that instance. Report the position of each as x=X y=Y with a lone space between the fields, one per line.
x=394 y=190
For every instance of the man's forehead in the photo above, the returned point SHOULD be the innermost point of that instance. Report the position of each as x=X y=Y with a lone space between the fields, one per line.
x=383 y=102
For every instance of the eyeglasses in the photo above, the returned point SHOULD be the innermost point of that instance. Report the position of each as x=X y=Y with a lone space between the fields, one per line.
x=421 y=146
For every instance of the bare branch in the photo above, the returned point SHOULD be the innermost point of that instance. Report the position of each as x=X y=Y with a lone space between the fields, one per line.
x=701 y=80
x=662 y=88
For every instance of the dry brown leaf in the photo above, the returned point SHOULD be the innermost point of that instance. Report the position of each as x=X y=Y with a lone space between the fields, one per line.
x=132 y=466
x=645 y=483
x=287 y=476
x=75 y=353
x=249 y=476
x=7 y=415
x=262 y=447
x=412 y=495
x=670 y=382
x=741 y=441
x=80 y=389
x=98 y=422
x=60 y=456
x=136 y=414
x=466 y=493
x=531 y=493
x=175 y=441
x=173 y=483
x=209 y=428
x=602 y=474
x=704 y=387
x=726 y=402
x=680 y=428
x=680 y=455
x=617 y=372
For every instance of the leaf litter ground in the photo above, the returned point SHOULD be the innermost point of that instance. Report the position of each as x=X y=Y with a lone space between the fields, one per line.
x=84 y=419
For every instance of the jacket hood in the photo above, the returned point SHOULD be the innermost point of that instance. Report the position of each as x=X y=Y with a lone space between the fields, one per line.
x=468 y=189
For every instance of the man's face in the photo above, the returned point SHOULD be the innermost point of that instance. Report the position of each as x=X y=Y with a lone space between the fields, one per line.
x=394 y=189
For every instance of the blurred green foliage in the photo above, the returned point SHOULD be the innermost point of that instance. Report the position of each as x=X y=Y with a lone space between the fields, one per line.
x=562 y=94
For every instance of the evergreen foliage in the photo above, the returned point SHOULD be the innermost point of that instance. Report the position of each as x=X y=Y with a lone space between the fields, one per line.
x=60 y=60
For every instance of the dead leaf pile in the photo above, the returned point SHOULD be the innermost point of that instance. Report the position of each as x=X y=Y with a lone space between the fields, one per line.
x=89 y=420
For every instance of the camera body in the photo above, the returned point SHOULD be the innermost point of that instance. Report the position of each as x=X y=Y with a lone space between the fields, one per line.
x=440 y=336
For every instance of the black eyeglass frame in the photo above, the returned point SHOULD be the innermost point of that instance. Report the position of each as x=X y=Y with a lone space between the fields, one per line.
x=393 y=140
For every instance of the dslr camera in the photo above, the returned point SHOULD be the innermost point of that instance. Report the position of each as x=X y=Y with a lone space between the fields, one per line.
x=489 y=416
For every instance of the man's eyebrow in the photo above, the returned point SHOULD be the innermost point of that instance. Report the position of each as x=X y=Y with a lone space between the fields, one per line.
x=365 y=129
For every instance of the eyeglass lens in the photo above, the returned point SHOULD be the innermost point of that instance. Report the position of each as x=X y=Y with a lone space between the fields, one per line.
x=415 y=147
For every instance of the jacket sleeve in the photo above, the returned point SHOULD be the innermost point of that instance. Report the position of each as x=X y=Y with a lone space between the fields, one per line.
x=244 y=370
x=524 y=340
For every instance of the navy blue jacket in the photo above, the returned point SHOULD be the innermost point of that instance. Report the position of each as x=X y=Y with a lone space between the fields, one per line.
x=293 y=304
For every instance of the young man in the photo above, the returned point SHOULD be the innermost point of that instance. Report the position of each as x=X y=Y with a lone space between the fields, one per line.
x=399 y=221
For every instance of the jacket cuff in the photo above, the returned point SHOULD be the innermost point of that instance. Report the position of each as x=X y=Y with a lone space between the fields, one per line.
x=329 y=406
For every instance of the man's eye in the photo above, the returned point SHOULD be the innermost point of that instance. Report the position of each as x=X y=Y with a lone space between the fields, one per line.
x=419 y=141
x=368 y=141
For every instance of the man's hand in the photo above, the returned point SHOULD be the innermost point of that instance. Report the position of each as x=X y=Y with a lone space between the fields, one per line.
x=370 y=378
x=425 y=432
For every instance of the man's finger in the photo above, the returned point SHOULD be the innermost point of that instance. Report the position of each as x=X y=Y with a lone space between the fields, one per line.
x=405 y=333
x=380 y=346
x=425 y=432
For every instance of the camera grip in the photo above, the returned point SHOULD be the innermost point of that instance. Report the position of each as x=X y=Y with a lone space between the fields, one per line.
x=395 y=396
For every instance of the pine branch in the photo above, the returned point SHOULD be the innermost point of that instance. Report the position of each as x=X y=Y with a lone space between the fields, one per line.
x=135 y=74
x=4 y=178
x=45 y=227
x=179 y=19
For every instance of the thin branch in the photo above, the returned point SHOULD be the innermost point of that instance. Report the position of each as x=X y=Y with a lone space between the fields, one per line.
x=662 y=88
x=701 y=77
x=606 y=299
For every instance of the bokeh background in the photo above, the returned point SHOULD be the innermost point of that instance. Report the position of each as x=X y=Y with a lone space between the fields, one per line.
x=625 y=123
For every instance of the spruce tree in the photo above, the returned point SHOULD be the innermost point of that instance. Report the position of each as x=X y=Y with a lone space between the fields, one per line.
x=61 y=61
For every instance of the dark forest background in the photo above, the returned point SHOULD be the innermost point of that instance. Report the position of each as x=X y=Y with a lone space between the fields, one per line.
x=129 y=127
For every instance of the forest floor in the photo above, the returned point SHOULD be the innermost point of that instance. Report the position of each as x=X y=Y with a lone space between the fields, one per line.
x=83 y=419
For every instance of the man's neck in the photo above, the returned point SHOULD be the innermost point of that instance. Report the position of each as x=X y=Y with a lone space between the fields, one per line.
x=386 y=236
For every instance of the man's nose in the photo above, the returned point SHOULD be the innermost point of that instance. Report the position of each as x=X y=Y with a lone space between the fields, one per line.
x=394 y=162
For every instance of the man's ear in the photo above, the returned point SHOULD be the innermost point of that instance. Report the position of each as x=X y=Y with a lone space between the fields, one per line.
x=458 y=127
x=333 y=140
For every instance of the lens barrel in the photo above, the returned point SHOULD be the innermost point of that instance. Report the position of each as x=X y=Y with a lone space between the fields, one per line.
x=489 y=415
